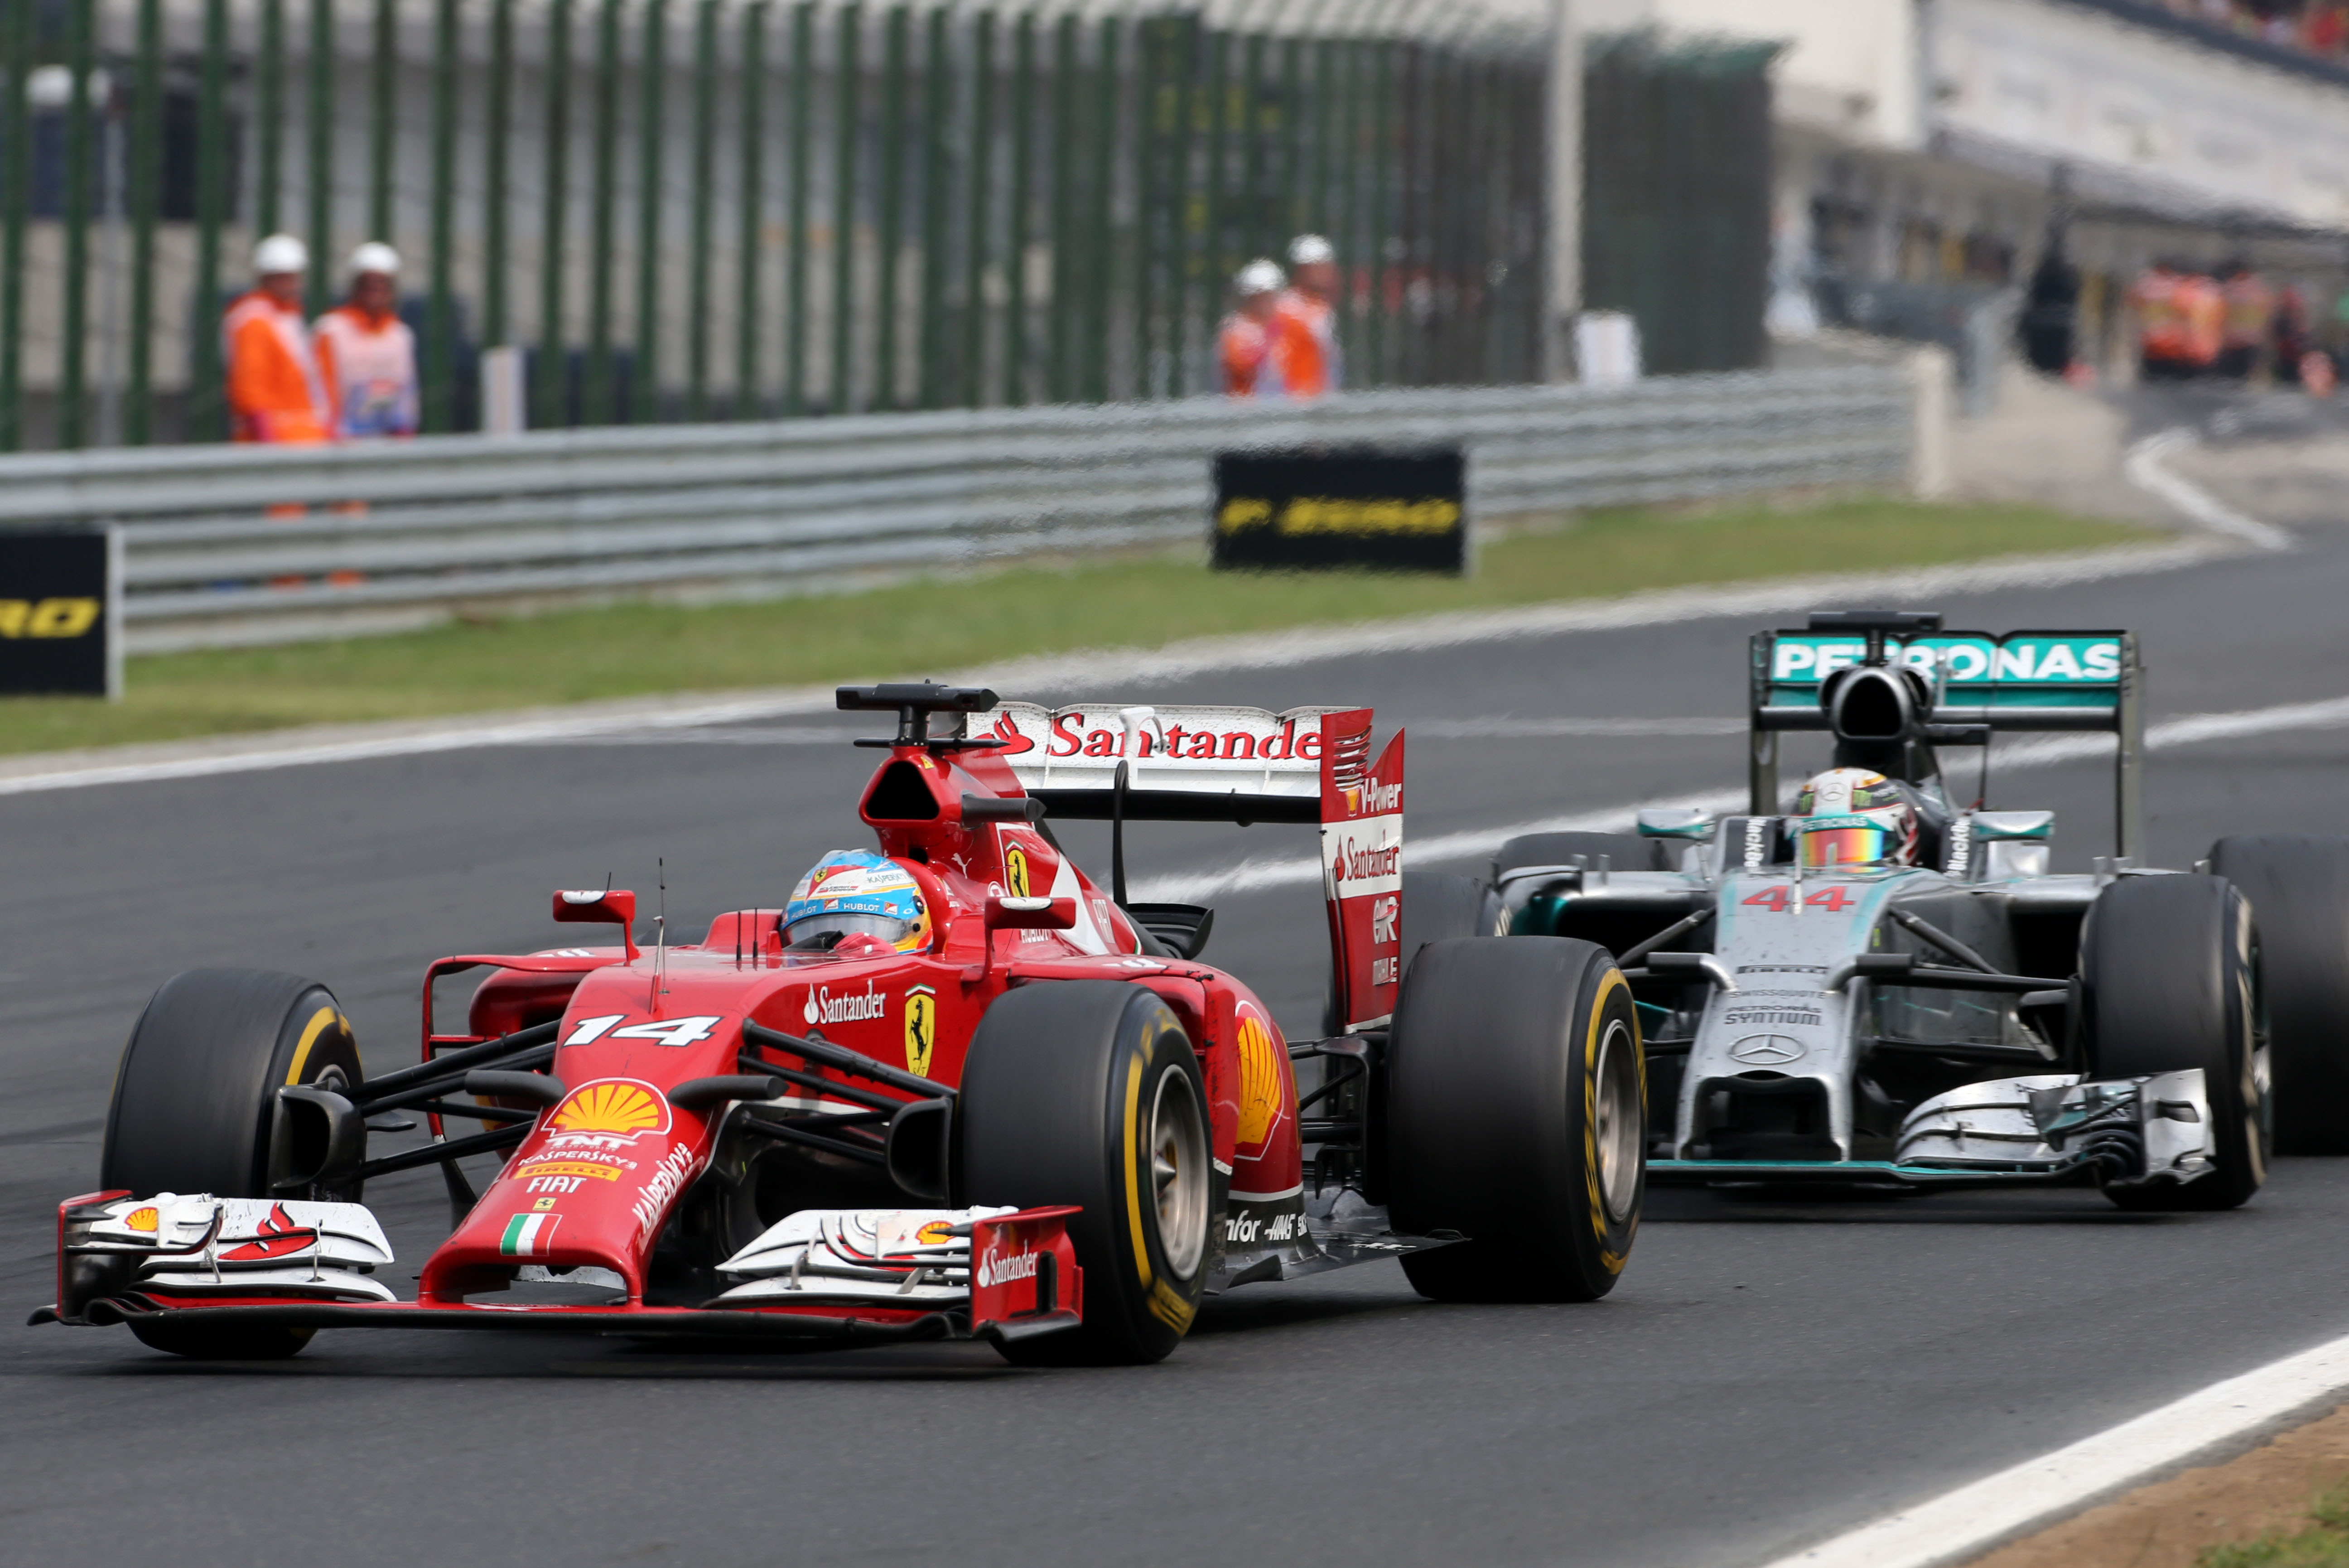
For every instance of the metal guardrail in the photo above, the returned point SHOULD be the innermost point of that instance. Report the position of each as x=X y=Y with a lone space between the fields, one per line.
x=247 y=544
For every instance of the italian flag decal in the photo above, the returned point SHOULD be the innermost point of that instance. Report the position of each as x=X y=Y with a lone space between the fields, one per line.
x=528 y=1235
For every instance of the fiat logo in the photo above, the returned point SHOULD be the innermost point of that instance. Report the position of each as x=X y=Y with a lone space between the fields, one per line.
x=1765 y=1050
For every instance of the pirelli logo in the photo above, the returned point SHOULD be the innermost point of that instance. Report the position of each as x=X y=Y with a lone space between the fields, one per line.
x=58 y=636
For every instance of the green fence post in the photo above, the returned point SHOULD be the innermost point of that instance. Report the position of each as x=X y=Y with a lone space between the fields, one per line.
x=891 y=197
x=1352 y=264
x=1150 y=40
x=936 y=156
x=981 y=144
x=1105 y=131
x=598 y=408
x=795 y=276
x=441 y=326
x=144 y=165
x=1294 y=212
x=1317 y=215
x=385 y=122
x=16 y=149
x=1215 y=244
x=1062 y=378
x=752 y=219
x=1256 y=225
x=319 y=166
x=705 y=200
x=206 y=400
x=1384 y=120
x=645 y=383
x=554 y=373
x=80 y=60
x=494 y=137
x=843 y=396
x=269 y=116
x=1185 y=227
x=1023 y=145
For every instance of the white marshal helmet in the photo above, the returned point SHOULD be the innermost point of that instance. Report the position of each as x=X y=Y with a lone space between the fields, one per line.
x=1260 y=276
x=1306 y=250
x=375 y=256
x=1852 y=817
x=280 y=254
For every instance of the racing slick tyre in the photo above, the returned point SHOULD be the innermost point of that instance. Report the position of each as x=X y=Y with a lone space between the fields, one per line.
x=2299 y=889
x=2167 y=983
x=195 y=1108
x=1435 y=904
x=1624 y=851
x=1088 y=1092
x=1517 y=1110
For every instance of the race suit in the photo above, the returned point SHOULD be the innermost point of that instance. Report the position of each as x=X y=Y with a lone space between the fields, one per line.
x=1305 y=345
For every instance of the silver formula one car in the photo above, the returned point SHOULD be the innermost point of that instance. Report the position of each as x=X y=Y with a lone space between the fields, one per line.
x=1885 y=987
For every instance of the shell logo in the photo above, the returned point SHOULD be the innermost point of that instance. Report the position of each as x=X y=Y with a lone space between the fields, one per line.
x=1259 y=1081
x=620 y=1105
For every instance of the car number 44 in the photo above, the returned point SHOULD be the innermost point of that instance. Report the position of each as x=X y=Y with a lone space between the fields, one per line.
x=1781 y=898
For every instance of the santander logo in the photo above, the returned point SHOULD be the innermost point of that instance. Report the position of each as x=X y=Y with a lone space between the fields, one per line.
x=822 y=1007
x=996 y=1270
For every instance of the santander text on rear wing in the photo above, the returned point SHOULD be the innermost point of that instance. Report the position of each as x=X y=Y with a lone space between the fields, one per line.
x=1118 y=762
x=1980 y=683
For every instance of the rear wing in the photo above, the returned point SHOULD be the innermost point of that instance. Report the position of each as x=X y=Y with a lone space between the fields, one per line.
x=1105 y=762
x=1980 y=683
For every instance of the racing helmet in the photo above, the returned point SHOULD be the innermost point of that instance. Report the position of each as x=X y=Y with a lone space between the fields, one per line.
x=1849 y=817
x=855 y=894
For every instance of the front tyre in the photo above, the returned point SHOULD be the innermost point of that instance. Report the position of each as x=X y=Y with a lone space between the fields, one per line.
x=1518 y=1100
x=195 y=1108
x=2299 y=889
x=2167 y=983
x=1088 y=1092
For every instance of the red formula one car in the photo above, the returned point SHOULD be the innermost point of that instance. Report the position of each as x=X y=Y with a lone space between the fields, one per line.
x=954 y=1090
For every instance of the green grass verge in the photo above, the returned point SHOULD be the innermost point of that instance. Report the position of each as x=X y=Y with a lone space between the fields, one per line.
x=935 y=625
x=2324 y=1544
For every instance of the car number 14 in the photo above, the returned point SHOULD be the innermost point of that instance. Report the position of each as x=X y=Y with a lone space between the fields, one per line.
x=1781 y=898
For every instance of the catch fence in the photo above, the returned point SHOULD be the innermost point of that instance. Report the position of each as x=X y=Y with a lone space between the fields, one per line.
x=698 y=210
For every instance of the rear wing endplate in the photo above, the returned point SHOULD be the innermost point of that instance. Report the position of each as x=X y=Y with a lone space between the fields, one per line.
x=2018 y=682
x=1102 y=762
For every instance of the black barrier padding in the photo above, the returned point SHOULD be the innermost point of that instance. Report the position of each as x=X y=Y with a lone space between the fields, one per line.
x=52 y=620
x=1343 y=507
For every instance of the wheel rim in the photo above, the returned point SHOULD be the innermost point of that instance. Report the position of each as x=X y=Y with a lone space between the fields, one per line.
x=1178 y=1173
x=1616 y=1122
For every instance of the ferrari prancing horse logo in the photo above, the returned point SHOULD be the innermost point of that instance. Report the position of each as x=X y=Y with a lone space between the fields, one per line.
x=1015 y=871
x=921 y=1029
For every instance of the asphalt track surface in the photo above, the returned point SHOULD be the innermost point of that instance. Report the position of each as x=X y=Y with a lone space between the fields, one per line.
x=1765 y=1374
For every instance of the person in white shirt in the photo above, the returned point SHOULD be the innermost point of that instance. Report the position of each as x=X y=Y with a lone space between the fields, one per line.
x=367 y=354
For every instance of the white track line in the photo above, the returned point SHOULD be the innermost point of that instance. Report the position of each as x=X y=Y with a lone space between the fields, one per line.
x=1960 y=1525
x=1256 y=875
x=1097 y=670
x=2144 y=468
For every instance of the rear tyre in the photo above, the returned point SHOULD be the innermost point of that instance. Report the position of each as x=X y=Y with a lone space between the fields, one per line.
x=2167 y=983
x=1088 y=1092
x=195 y=1108
x=2298 y=890
x=1518 y=1100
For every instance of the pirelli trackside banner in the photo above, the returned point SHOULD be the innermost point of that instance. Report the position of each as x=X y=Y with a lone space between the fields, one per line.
x=1343 y=507
x=57 y=616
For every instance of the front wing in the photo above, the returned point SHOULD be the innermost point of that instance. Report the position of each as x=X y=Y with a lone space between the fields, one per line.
x=853 y=1275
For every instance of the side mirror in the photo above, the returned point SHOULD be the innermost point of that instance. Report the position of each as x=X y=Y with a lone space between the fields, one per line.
x=1031 y=914
x=601 y=907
